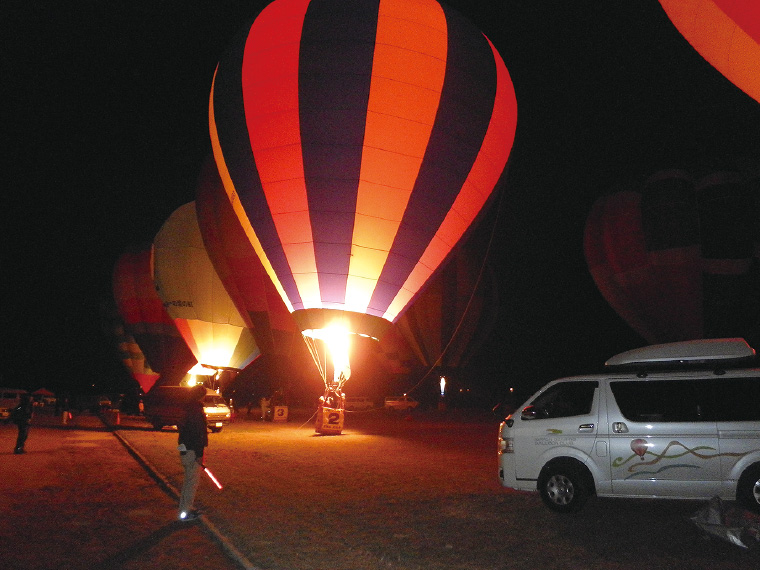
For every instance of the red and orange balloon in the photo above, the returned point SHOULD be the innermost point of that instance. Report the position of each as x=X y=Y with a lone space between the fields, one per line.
x=726 y=33
x=357 y=142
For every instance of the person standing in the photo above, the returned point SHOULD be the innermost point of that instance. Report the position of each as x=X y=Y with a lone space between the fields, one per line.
x=193 y=439
x=21 y=415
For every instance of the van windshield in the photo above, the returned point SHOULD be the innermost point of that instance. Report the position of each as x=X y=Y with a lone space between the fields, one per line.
x=214 y=401
x=565 y=399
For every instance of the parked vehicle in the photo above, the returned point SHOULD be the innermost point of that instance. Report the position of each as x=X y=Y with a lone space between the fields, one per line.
x=359 y=404
x=402 y=403
x=673 y=421
x=9 y=399
x=164 y=406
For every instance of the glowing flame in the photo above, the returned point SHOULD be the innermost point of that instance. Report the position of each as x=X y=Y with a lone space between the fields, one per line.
x=338 y=343
x=337 y=339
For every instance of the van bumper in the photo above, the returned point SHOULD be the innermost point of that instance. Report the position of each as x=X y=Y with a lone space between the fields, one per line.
x=217 y=422
x=507 y=475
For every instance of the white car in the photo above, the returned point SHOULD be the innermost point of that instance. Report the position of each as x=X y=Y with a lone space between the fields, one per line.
x=402 y=403
x=359 y=404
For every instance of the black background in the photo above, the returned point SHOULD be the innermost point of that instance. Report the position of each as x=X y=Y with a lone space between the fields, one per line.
x=105 y=129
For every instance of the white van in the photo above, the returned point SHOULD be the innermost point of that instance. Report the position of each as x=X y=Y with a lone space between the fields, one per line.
x=357 y=404
x=674 y=421
x=403 y=403
x=9 y=399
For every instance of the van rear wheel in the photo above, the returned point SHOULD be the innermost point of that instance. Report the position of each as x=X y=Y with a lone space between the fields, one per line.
x=564 y=486
x=748 y=489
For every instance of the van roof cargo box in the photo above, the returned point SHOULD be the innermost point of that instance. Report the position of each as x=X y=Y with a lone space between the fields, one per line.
x=691 y=353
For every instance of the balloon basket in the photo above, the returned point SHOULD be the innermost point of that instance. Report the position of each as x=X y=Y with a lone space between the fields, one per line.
x=329 y=421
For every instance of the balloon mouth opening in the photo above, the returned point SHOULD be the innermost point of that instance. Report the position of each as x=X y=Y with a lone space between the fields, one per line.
x=200 y=370
x=328 y=333
x=319 y=324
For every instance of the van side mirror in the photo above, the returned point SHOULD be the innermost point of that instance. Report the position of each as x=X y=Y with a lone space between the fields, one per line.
x=529 y=413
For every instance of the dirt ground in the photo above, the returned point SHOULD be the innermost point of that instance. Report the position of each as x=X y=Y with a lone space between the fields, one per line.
x=78 y=500
x=393 y=491
x=416 y=492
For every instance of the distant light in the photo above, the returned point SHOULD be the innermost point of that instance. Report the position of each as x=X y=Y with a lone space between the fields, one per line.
x=443 y=385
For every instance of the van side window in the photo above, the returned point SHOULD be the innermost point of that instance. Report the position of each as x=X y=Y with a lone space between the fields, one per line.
x=565 y=399
x=737 y=399
x=665 y=401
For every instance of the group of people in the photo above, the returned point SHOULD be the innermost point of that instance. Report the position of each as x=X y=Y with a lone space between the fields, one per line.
x=193 y=440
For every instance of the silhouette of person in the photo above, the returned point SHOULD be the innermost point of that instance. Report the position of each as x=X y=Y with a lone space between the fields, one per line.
x=193 y=439
x=21 y=415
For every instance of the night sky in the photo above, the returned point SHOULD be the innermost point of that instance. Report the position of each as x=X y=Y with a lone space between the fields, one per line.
x=105 y=124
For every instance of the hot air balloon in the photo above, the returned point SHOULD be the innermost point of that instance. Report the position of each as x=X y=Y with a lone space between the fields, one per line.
x=357 y=142
x=129 y=351
x=393 y=354
x=196 y=299
x=145 y=317
x=726 y=33
x=238 y=266
x=446 y=323
x=677 y=259
x=246 y=281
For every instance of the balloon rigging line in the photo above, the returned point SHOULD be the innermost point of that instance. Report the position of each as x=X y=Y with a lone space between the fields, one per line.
x=309 y=420
x=469 y=301
x=311 y=344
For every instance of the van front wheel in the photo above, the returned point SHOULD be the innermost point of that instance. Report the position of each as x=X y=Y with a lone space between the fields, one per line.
x=563 y=487
x=748 y=489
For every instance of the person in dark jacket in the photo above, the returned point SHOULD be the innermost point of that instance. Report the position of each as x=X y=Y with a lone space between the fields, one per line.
x=21 y=415
x=193 y=439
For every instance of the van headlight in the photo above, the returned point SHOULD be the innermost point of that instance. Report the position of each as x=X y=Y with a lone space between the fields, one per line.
x=506 y=445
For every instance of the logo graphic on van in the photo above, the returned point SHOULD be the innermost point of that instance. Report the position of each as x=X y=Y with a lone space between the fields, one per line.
x=555 y=441
x=640 y=448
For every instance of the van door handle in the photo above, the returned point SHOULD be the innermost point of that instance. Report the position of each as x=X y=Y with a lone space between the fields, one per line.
x=585 y=428
x=619 y=427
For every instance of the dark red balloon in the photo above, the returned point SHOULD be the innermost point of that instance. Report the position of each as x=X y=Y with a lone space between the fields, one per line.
x=145 y=317
x=678 y=258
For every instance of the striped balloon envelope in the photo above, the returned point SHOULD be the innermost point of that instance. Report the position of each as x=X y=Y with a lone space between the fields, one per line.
x=240 y=269
x=726 y=33
x=357 y=142
x=246 y=282
x=145 y=318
